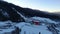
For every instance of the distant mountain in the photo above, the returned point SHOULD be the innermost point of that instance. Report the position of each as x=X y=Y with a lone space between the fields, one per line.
x=57 y=13
x=9 y=11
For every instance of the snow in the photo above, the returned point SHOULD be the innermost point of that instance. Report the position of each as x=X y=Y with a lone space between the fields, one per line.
x=58 y=29
x=6 y=30
x=43 y=20
x=4 y=23
x=19 y=14
x=35 y=30
x=30 y=29
x=4 y=13
x=22 y=24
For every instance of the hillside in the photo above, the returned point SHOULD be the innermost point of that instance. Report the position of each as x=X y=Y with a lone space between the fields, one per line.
x=19 y=20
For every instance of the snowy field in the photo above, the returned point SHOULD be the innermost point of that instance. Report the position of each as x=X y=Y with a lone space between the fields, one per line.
x=44 y=26
x=33 y=29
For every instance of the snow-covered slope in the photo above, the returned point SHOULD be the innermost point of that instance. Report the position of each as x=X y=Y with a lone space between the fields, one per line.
x=45 y=26
x=27 y=21
x=29 y=28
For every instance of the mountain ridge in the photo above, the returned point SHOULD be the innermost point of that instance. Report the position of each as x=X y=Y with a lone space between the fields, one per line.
x=27 y=12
